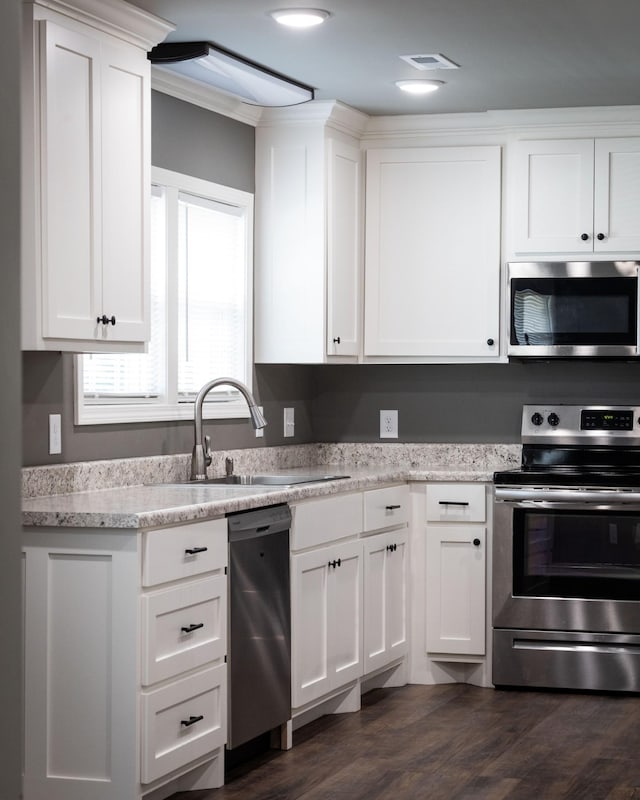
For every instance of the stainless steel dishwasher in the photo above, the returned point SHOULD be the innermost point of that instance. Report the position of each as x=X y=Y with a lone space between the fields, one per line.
x=259 y=656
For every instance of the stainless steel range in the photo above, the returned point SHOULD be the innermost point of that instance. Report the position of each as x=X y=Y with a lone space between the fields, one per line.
x=566 y=552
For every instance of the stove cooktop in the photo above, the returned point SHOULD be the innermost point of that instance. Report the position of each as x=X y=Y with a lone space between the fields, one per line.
x=578 y=446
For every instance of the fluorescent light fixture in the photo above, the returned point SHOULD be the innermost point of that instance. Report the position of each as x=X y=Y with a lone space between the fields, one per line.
x=419 y=86
x=230 y=73
x=300 y=17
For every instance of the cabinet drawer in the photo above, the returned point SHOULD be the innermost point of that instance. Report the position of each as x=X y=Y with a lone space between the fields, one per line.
x=183 y=628
x=386 y=508
x=321 y=521
x=175 y=553
x=168 y=743
x=455 y=502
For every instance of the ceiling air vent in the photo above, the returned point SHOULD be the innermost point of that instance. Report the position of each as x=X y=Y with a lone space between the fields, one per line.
x=431 y=61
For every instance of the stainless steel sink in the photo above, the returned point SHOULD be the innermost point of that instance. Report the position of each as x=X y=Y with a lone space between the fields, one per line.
x=265 y=480
x=240 y=481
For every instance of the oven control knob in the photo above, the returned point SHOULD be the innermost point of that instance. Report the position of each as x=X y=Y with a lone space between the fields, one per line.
x=537 y=419
x=553 y=419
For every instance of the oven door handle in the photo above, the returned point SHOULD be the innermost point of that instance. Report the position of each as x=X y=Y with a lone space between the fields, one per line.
x=574 y=497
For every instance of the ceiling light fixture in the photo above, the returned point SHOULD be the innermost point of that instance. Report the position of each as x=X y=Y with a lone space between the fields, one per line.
x=230 y=73
x=419 y=87
x=300 y=17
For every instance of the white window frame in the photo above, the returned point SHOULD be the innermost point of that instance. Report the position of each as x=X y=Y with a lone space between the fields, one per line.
x=232 y=408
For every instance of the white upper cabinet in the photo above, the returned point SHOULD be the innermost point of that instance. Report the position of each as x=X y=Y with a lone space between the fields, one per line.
x=308 y=261
x=86 y=167
x=577 y=196
x=432 y=253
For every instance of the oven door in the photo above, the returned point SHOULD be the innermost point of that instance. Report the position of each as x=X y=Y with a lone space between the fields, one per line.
x=569 y=309
x=566 y=560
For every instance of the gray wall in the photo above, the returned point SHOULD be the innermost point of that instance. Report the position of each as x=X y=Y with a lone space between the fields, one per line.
x=10 y=570
x=188 y=139
x=457 y=403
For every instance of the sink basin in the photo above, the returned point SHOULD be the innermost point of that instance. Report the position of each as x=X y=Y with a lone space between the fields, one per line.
x=264 y=480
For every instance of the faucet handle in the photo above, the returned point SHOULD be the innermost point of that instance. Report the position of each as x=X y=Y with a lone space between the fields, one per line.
x=228 y=466
x=208 y=455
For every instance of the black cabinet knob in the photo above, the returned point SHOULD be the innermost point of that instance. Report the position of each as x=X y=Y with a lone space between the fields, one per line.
x=600 y=237
x=476 y=542
x=490 y=342
x=584 y=237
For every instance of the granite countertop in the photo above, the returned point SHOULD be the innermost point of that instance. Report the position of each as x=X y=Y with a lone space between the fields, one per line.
x=146 y=506
x=149 y=493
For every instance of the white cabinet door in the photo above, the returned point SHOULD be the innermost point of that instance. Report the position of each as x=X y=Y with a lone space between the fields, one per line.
x=326 y=613
x=86 y=166
x=553 y=203
x=344 y=249
x=385 y=598
x=617 y=195
x=70 y=169
x=432 y=252
x=308 y=238
x=125 y=193
x=455 y=589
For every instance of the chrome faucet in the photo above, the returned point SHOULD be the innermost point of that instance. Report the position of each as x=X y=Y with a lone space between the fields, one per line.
x=201 y=456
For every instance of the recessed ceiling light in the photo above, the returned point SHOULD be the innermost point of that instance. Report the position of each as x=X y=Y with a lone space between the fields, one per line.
x=300 y=17
x=418 y=86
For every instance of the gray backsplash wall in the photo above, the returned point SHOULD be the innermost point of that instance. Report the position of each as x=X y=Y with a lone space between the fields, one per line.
x=457 y=403
x=192 y=140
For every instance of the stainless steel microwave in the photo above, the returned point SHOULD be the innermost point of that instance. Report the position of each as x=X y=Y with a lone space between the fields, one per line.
x=566 y=309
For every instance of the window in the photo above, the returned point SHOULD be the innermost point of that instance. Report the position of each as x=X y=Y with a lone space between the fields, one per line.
x=200 y=310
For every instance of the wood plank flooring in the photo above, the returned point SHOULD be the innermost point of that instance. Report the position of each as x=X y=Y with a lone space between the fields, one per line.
x=455 y=741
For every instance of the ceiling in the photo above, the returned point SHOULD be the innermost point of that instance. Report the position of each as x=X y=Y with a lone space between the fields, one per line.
x=512 y=53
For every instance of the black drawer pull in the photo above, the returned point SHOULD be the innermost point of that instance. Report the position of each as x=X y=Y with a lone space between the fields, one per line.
x=393 y=508
x=335 y=563
x=193 y=551
x=392 y=548
x=193 y=627
x=191 y=720
x=453 y=503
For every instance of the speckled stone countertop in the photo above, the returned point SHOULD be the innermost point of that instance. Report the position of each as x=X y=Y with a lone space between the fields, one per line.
x=145 y=493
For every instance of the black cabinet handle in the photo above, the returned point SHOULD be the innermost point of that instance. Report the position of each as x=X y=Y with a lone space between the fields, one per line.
x=490 y=342
x=392 y=548
x=584 y=237
x=476 y=542
x=335 y=563
x=453 y=503
x=192 y=551
x=105 y=320
x=336 y=340
x=191 y=720
x=339 y=562
x=193 y=627
x=600 y=237
x=393 y=508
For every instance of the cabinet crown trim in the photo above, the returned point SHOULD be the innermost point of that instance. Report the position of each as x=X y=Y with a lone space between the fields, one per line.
x=115 y=17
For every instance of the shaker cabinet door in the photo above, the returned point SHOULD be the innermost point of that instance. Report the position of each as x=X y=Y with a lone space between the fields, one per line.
x=432 y=253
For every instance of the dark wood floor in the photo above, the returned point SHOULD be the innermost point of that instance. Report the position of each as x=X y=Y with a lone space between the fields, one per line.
x=455 y=741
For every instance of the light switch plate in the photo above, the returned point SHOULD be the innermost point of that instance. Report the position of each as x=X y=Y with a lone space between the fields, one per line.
x=55 y=434
x=289 y=422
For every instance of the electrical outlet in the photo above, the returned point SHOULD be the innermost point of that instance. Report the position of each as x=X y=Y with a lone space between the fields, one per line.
x=55 y=434
x=289 y=422
x=389 y=424
x=260 y=431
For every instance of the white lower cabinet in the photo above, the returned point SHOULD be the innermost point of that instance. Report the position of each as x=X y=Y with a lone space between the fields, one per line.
x=456 y=546
x=385 y=598
x=386 y=555
x=326 y=613
x=125 y=674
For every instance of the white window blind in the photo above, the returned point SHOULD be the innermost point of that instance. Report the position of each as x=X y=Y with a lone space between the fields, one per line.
x=201 y=306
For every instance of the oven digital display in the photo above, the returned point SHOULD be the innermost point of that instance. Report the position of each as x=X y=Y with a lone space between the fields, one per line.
x=606 y=420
